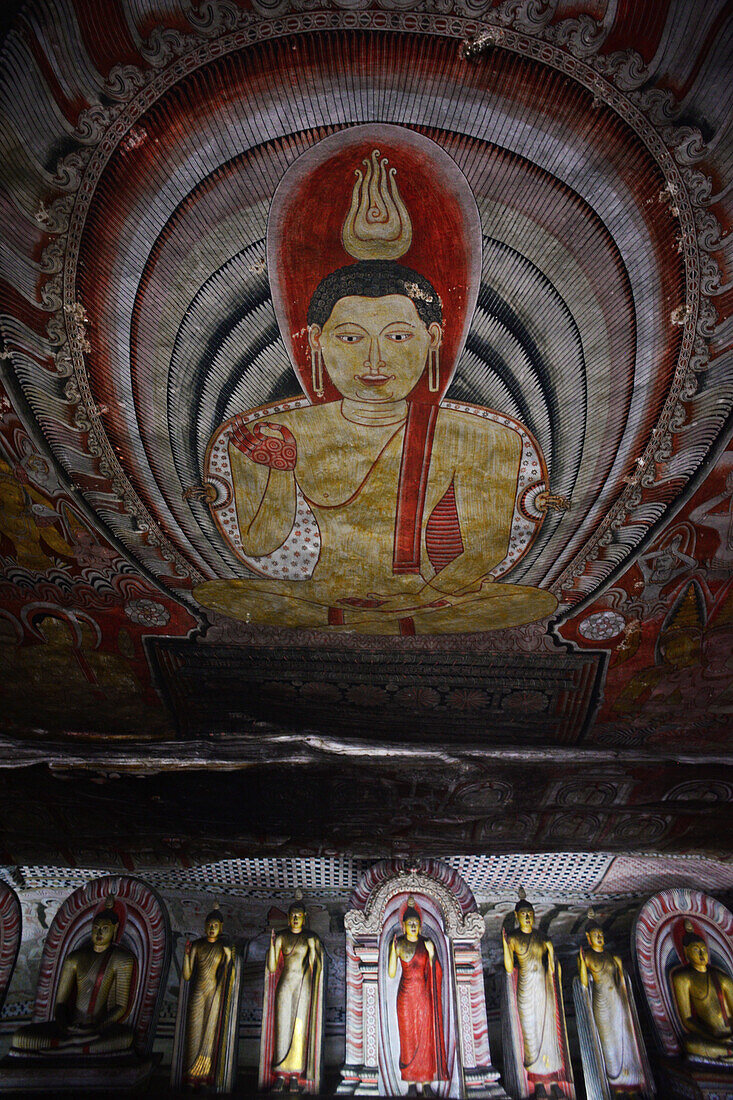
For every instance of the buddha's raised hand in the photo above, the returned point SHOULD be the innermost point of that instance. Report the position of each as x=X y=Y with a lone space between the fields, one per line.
x=267 y=450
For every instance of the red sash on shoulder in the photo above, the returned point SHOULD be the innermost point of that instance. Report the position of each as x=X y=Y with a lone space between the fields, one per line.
x=721 y=996
x=98 y=981
x=417 y=448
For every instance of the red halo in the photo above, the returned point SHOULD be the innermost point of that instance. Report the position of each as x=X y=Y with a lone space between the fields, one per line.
x=304 y=236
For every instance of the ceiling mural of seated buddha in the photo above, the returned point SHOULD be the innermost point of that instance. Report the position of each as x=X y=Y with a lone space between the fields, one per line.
x=365 y=382
x=378 y=335
x=375 y=505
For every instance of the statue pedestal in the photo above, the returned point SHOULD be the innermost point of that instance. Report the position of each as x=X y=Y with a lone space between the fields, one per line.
x=687 y=1081
x=107 y=1073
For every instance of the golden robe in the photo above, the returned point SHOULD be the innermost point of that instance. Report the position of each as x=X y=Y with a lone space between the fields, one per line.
x=348 y=475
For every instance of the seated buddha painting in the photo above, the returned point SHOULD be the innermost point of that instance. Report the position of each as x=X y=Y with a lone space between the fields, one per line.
x=369 y=502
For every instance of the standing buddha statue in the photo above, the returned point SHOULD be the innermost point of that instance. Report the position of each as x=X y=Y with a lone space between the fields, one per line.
x=607 y=1020
x=533 y=997
x=419 y=1005
x=205 y=1008
x=292 y=1019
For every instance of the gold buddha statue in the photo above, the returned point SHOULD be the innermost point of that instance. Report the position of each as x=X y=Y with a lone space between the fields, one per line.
x=602 y=975
x=92 y=999
x=382 y=511
x=207 y=966
x=419 y=1005
x=295 y=961
x=538 y=997
x=703 y=997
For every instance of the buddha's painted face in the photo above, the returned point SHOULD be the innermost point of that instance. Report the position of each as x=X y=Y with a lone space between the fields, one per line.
x=525 y=920
x=411 y=927
x=375 y=349
x=103 y=932
x=696 y=954
x=213 y=929
x=596 y=939
x=296 y=920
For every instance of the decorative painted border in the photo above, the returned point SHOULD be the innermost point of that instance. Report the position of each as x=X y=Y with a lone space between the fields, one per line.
x=145 y=929
x=11 y=927
x=362 y=897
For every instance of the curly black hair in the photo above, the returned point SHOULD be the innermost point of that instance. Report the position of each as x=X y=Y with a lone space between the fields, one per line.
x=375 y=279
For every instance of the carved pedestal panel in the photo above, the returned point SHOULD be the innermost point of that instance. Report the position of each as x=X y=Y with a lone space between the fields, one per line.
x=377 y=1004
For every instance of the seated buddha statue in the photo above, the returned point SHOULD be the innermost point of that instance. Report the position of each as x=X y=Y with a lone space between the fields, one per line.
x=379 y=511
x=703 y=996
x=92 y=999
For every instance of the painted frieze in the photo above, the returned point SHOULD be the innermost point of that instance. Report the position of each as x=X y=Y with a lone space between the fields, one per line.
x=205 y=386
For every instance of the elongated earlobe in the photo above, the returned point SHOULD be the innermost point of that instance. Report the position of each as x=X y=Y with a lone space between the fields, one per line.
x=317 y=371
x=434 y=369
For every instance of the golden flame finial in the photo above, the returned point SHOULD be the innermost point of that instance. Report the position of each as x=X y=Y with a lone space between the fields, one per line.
x=377 y=226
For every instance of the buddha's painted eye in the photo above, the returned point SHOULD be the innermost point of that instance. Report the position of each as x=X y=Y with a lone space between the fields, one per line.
x=399 y=337
x=349 y=337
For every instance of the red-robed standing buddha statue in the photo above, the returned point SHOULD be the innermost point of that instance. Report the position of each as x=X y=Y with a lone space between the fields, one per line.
x=419 y=1005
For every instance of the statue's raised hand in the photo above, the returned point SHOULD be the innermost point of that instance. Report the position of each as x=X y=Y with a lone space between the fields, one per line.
x=278 y=451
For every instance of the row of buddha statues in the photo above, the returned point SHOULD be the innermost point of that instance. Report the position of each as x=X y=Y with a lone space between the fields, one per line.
x=416 y=1021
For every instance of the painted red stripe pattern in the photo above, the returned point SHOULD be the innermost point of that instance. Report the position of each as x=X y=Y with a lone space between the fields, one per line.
x=10 y=929
x=433 y=868
x=443 y=540
x=416 y=451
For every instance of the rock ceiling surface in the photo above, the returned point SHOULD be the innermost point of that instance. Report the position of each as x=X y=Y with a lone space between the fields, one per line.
x=500 y=620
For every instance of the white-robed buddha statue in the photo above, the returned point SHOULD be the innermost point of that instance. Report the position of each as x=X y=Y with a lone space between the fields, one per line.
x=292 y=1015
x=612 y=1048
x=535 y=1033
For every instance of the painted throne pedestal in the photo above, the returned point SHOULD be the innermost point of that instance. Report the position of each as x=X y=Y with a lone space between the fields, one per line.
x=143 y=930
